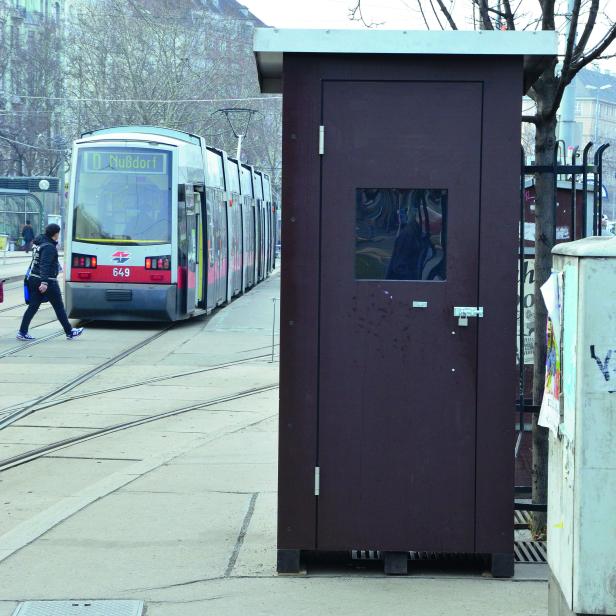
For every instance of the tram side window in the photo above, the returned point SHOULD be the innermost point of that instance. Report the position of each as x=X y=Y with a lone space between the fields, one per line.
x=267 y=189
x=246 y=181
x=258 y=186
x=401 y=234
x=216 y=177
x=234 y=178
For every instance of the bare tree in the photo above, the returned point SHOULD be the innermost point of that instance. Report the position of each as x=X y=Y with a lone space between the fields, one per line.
x=30 y=123
x=586 y=42
x=148 y=61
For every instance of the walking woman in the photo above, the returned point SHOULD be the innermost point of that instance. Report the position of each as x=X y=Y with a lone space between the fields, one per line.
x=43 y=284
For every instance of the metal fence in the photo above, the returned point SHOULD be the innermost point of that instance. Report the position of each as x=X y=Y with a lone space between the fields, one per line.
x=578 y=212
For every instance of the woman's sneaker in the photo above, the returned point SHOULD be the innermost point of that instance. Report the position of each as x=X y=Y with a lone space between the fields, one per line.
x=22 y=336
x=76 y=331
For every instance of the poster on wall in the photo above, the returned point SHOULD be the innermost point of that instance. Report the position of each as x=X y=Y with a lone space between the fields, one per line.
x=529 y=312
x=549 y=415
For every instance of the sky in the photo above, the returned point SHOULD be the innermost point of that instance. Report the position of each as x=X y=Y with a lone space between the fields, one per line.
x=389 y=14
x=392 y=14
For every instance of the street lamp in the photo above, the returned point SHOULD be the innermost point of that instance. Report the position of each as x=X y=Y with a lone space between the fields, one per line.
x=598 y=89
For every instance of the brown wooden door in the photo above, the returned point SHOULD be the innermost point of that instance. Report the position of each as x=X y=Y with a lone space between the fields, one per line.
x=397 y=383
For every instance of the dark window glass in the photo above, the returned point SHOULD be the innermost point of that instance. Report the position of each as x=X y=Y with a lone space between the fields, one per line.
x=123 y=195
x=401 y=234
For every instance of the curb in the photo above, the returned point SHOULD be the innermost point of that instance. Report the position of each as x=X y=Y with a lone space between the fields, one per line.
x=13 y=278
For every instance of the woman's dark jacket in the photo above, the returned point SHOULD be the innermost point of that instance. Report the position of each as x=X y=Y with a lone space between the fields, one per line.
x=45 y=263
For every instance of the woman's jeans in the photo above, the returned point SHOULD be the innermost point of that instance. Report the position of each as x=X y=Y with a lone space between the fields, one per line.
x=36 y=299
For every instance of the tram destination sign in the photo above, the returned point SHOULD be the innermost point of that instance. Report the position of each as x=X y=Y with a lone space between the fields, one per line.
x=101 y=161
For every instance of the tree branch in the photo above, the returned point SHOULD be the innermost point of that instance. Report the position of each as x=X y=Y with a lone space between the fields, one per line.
x=588 y=28
x=447 y=14
x=547 y=11
x=484 y=13
x=595 y=52
x=436 y=15
x=423 y=14
x=509 y=15
x=355 y=14
x=530 y=119
x=565 y=79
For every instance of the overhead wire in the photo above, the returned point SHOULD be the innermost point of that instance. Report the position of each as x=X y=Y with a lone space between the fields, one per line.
x=148 y=100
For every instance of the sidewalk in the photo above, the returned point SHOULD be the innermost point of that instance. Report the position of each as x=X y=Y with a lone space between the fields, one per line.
x=181 y=513
x=13 y=265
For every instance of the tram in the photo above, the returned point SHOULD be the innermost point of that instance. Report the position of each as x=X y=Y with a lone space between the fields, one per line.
x=162 y=227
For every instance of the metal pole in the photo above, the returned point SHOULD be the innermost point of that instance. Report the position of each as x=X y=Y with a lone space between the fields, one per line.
x=597 y=117
x=567 y=106
x=274 y=300
x=585 y=189
x=239 y=147
x=573 y=194
x=521 y=263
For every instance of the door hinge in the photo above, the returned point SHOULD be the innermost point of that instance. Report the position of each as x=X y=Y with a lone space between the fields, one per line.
x=321 y=140
x=317 y=480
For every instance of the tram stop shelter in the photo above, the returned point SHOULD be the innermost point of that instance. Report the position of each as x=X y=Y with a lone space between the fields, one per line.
x=400 y=202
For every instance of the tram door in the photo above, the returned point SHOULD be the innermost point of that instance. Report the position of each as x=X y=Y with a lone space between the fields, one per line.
x=256 y=211
x=191 y=235
x=397 y=371
x=210 y=253
x=199 y=248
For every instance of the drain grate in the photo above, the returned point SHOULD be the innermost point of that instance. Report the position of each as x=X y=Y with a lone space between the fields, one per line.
x=524 y=552
x=365 y=555
x=418 y=556
x=79 y=608
x=530 y=552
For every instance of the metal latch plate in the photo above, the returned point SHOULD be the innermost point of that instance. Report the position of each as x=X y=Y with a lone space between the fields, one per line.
x=468 y=311
x=464 y=312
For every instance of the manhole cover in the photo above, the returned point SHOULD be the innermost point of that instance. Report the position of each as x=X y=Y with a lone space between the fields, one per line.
x=79 y=608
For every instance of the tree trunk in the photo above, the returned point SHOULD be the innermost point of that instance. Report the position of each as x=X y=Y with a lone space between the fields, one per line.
x=545 y=210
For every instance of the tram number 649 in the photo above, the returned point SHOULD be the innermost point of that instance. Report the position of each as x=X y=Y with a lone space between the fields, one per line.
x=121 y=272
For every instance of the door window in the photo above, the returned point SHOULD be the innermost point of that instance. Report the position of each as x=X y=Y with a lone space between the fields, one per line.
x=401 y=234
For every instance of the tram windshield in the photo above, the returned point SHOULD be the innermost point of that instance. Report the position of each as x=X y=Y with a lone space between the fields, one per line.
x=122 y=196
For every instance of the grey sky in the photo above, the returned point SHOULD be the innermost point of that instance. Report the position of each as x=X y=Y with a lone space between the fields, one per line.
x=394 y=14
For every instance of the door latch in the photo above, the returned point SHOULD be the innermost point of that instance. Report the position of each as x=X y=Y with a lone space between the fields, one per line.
x=464 y=312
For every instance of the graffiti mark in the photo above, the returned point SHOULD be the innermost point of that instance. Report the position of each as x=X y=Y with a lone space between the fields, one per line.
x=604 y=366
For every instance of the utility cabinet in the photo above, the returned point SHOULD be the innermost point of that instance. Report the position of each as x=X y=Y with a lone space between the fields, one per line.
x=400 y=205
x=582 y=452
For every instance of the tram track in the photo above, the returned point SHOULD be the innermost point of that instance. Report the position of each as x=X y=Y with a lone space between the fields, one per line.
x=39 y=452
x=8 y=308
x=157 y=379
x=9 y=417
x=27 y=345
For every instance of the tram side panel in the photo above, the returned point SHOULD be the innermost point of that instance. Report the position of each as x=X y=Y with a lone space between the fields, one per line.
x=223 y=255
x=268 y=238
x=249 y=241
x=234 y=217
x=216 y=247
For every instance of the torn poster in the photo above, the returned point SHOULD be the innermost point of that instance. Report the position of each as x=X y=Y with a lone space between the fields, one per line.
x=549 y=415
